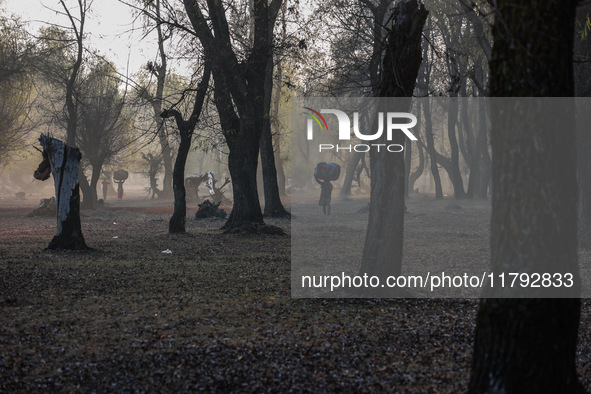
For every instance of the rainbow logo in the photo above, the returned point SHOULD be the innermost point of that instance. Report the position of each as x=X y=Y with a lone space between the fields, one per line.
x=315 y=115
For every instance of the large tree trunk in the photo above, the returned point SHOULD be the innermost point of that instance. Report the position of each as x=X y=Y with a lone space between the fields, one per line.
x=240 y=97
x=582 y=70
x=65 y=162
x=160 y=71
x=529 y=345
x=382 y=252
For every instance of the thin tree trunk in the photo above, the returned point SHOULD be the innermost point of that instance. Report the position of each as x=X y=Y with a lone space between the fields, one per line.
x=407 y=164
x=240 y=97
x=431 y=148
x=186 y=128
x=273 y=205
x=352 y=165
x=482 y=141
x=454 y=170
x=475 y=154
x=242 y=163
x=176 y=224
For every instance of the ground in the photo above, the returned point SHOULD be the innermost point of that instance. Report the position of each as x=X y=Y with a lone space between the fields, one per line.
x=215 y=313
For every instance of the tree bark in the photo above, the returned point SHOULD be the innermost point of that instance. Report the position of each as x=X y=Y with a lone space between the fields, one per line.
x=582 y=49
x=177 y=222
x=529 y=345
x=482 y=141
x=65 y=162
x=351 y=168
x=382 y=252
x=186 y=128
x=273 y=205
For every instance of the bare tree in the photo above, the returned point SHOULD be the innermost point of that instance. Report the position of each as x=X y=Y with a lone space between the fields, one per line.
x=241 y=96
x=186 y=129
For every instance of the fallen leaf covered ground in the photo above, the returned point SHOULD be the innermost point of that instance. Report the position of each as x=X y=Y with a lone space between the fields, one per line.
x=216 y=313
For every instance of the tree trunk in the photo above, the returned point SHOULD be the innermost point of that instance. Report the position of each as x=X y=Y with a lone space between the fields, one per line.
x=65 y=162
x=529 y=345
x=242 y=163
x=94 y=178
x=431 y=148
x=407 y=164
x=273 y=205
x=454 y=169
x=84 y=188
x=419 y=171
x=281 y=180
x=382 y=252
x=186 y=128
x=584 y=179
x=176 y=223
x=161 y=71
x=475 y=154
x=583 y=89
x=167 y=163
x=241 y=90
x=482 y=141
